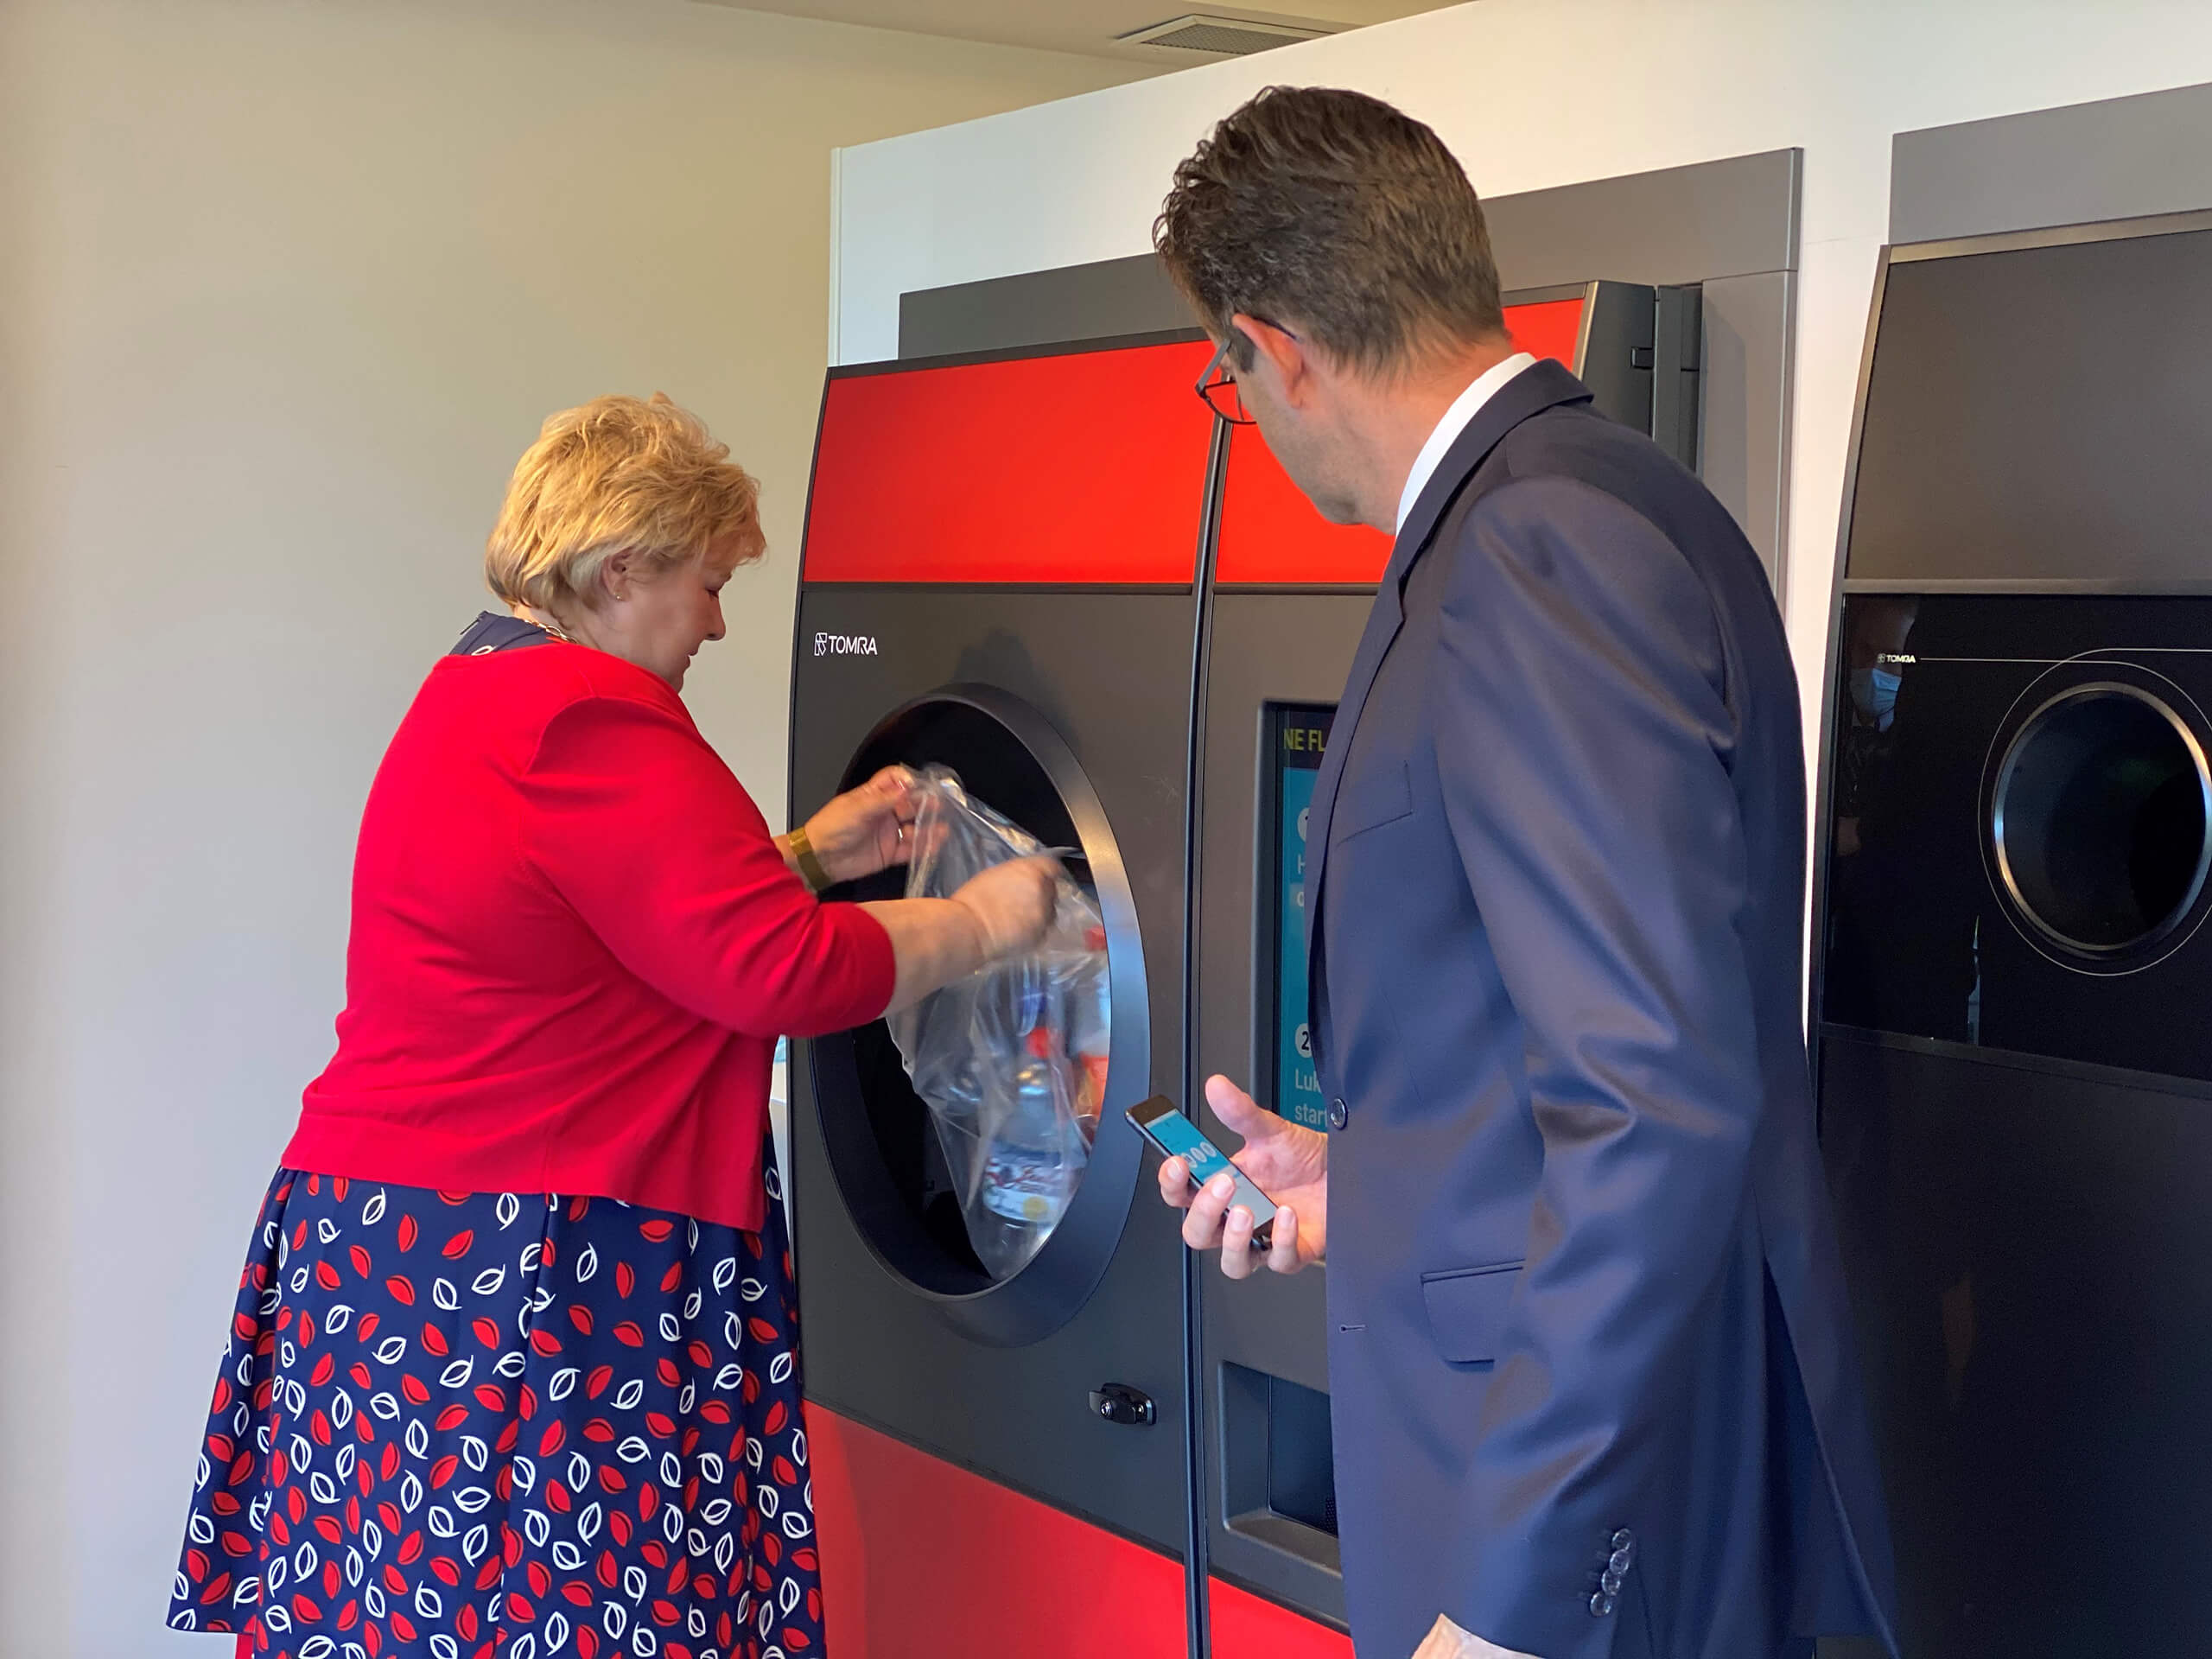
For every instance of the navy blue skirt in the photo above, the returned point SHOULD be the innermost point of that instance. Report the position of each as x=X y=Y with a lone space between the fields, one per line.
x=460 y=1425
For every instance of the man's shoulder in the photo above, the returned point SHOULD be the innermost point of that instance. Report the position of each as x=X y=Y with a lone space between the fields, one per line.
x=1574 y=445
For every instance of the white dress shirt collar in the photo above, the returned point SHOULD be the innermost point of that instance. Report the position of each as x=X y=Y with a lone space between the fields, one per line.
x=1456 y=420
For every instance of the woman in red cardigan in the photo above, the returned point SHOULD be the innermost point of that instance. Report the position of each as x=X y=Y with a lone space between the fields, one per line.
x=513 y=1367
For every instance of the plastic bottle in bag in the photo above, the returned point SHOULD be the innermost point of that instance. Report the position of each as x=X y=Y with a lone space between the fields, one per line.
x=1091 y=1032
x=1001 y=1059
x=1029 y=1176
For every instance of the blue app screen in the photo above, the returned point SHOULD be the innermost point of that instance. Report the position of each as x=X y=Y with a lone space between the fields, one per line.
x=1181 y=1138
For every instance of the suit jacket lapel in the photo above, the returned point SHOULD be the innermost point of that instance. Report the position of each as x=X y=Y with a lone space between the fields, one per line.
x=1542 y=386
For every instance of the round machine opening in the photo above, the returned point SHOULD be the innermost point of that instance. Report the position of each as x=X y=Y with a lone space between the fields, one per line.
x=888 y=1151
x=2099 y=820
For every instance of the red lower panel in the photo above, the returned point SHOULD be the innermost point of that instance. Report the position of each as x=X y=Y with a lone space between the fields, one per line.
x=924 y=1560
x=1245 y=1627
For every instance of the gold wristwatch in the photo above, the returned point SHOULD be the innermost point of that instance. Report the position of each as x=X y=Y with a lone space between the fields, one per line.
x=809 y=867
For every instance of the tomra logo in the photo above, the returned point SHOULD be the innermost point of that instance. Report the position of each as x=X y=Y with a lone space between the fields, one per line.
x=844 y=645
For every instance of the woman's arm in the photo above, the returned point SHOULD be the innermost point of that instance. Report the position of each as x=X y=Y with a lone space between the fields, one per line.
x=643 y=830
x=935 y=941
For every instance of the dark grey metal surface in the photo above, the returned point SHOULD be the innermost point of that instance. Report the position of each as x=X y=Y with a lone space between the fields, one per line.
x=1749 y=334
x=1678 y=356
x=1110 y=673
x=1039 y=308
x=1267 y=647
x=1730 y=225
x=2117 y=158
x=1616 y=351
x=1730 y=218
x=2035 y=409
x=2023 y=1243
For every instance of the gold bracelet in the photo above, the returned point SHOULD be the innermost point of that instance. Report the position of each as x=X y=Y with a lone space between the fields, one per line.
x=809 y=867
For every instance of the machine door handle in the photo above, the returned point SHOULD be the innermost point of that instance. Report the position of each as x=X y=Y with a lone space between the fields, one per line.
x=1117 y=1402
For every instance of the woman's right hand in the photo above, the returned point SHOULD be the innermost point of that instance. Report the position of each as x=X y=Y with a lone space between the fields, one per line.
x=1012 y=904
x=937 y=941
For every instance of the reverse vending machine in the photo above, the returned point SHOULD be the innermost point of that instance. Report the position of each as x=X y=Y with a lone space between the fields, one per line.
x=1040 y=560
x=997 y=578
x=2014 y=1057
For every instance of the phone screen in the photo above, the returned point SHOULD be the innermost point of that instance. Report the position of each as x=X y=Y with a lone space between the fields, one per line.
x=1176 y=1136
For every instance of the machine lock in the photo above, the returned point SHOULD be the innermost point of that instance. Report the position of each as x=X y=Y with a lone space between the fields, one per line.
x=1117 y=1402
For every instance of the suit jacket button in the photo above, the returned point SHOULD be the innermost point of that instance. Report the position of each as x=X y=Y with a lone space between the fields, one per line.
x=1601 y=1605
x=1623 y=1559
x=1623 y=1539
x=1337 y=1116
x=1611 y=1584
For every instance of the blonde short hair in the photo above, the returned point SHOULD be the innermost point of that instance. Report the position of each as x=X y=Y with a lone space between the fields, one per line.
x=614 y=474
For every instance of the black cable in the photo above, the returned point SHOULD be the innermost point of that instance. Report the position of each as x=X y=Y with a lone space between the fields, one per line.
x=1197 y=1569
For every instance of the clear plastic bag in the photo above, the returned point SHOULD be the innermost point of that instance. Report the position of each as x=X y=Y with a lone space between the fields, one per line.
x=1011 y=1061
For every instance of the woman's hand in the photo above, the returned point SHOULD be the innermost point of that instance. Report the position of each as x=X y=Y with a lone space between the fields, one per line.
x=1288 y=1162
x=1012 y=904
x=868 y=828
x=937 y=941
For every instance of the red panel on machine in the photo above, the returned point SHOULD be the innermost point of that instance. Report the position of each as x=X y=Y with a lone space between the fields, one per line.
x=924 y=1560
x=1269 y=531
x=1086 y=467
x=1547 y=329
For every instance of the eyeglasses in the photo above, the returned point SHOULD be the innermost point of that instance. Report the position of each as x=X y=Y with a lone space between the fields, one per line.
x=1217 y=379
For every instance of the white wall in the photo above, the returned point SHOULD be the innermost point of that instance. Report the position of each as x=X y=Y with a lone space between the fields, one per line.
x=1532 y=93
x=285 y=287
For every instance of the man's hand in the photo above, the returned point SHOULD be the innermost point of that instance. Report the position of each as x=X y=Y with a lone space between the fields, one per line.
x=1287 y=1163
x=1448 y=1640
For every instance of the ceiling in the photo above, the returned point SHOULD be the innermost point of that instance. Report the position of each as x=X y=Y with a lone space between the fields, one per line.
x=1086 y=26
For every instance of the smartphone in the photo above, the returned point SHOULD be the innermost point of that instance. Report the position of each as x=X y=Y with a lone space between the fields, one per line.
x=1176 y=1136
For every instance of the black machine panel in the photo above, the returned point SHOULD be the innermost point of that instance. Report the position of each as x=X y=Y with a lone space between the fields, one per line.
x=2025 y=1244
x=2020 y=826
x=2038 y=412
x=1077 y=733
x=2014 y=975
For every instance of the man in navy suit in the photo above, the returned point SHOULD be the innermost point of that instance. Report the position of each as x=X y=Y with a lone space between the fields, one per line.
x=1594 y=1391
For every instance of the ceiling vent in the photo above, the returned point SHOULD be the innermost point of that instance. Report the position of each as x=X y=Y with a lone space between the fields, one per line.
x=1223 y=37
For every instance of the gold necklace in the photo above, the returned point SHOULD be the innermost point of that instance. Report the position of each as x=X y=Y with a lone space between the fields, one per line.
x=532 y=616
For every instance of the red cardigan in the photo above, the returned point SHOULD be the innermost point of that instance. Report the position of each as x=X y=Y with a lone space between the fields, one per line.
x=575 y=943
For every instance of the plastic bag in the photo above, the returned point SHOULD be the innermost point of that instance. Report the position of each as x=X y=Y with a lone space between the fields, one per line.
x=1011 y=1062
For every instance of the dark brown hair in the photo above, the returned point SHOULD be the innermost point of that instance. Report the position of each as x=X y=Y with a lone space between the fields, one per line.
x=1333 y=214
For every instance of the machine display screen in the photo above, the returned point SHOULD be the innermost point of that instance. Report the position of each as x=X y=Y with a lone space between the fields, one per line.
x=1295 y=734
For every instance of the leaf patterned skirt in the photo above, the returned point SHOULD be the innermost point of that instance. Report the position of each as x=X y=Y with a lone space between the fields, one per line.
x=492 y=1426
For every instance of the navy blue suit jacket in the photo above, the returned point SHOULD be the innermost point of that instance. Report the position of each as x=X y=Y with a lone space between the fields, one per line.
x=1593 y=1387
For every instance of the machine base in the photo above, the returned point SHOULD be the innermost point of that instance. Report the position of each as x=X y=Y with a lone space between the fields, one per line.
x=921 y=1560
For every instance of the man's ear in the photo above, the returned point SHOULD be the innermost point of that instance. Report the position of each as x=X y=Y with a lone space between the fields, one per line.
x=1284 y=352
